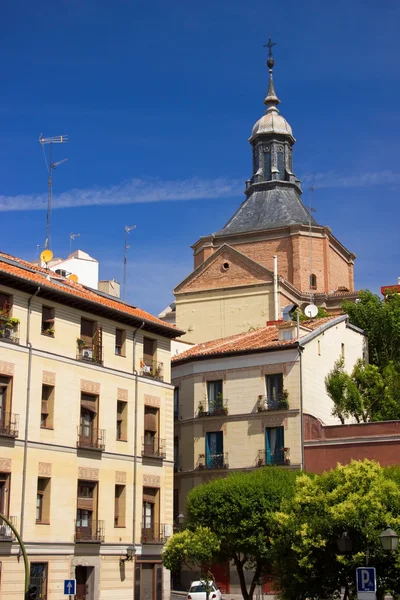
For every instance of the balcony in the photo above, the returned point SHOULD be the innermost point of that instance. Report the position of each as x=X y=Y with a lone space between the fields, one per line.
x=6 y=533
x=155 y=533
x=89 y=530
x=152 y=368
x=213 y=461
x=215 y=409
x=155 y=448
x=278 y=458
x=91 y=438
x=282 y=403
x=9 y=424
x=90 y=354
x=9 y=329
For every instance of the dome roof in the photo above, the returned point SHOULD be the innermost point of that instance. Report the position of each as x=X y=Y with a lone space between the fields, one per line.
x=272 y=122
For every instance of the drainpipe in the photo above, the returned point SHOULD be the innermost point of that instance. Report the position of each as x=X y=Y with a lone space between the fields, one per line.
x=135 y=434
x=276 y=307
x=28 y=399
x=300 y=350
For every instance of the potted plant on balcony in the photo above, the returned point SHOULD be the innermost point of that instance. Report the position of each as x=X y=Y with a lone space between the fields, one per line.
x=201 y=409
x=201 y=461
x=283 y=400
x=11 y=323
x=81 y=343
x=50 y=331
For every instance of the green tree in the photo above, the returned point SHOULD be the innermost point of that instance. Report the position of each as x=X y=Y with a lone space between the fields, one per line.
x=380 y=318
x=238 y=510
x=196 y=549
x=359 y=499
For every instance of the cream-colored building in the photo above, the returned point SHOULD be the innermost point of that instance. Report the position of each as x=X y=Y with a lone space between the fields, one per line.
x=86 y=438
x=239 y=400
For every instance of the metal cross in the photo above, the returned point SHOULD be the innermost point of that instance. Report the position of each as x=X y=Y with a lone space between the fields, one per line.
x=269 y=46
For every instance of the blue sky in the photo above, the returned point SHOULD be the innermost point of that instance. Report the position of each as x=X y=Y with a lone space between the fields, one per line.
x=158 y=100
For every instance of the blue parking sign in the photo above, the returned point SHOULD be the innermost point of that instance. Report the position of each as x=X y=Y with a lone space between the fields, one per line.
x=366 y=579
x=70 y=587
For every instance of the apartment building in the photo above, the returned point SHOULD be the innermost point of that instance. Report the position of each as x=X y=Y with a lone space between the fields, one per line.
x=86 y=438
x=239 y=402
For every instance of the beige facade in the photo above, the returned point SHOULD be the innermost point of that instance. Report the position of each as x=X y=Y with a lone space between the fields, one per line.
x=74 y=482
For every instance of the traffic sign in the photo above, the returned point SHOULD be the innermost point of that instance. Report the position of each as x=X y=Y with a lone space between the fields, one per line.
x=70 y=587
x=366 y=579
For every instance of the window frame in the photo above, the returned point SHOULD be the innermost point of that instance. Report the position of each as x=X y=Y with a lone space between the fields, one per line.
x=42 y=593
x=43 y=496
x=277 y=385
x=120 y=348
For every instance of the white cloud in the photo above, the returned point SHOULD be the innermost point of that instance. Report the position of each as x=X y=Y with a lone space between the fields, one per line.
x=332 y=179
x=128 y=192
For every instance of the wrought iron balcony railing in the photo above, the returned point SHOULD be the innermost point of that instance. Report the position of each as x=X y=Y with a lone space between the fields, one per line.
x=213 y=461
x=89 y=530
x=9 y=423
x=152 y=368
x=92 y=354
x=153 y=447
x=278 y=457
x=265 y=404
x=91 y=438
x=155 y=533
x=214 y=409
x=9 y=333
x=6 y=533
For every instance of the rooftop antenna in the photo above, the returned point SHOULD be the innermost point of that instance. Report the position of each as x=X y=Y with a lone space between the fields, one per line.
x=72 y=236
x=59 y=139
x=126 y=246
x=311 y=209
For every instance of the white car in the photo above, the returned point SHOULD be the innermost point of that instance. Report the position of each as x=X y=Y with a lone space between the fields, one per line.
x=197 y=591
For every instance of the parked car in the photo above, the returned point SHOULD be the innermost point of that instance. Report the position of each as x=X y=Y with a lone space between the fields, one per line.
x=197 y=591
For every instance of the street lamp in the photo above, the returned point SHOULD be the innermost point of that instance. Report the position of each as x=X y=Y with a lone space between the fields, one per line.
x=389 y=540
x=181 y=518
x=130 y=553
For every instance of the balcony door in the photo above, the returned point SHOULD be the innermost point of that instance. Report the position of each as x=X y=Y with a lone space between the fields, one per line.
x=87 y=420
x=5 y=384
x=214 y=450
x=274 y=444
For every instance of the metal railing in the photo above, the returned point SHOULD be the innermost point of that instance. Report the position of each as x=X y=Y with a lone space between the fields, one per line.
x=279 y=457
x=215 y=409
x=9 y=334
x=213 y=461
x=153 y=447
x=155 y=533
x=9 y=423
x=92 y=354
x=89 y=530
x=152 y=368
x=265 y=404
x=6 y=533
x=91 y=437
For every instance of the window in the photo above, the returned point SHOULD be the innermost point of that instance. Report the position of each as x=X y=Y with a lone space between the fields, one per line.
x=176 y=402
x=47 y=408
x=214 y=450
x=4 y=493
x=86 y=516
x=5 y=305
x=214 y=394
x=151 y=420
x=38 y=578
x=48 y=320
x=267 y=165
x=313 y=282
x=274 y=446
x=5 y=399
x=43 y=501
x=90 y=342
x=274 y=385
x=120 y=338
x=150 y=513
x=122 y=419
x=120 y=503
x=281 y=163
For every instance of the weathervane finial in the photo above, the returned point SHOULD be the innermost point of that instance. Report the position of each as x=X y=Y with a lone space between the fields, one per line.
x=270 y=45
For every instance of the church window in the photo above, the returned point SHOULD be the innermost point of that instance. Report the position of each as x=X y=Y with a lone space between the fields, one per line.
x=313 y=281
x=256 y=160
x=281 y=163
x=225 y=266
x=267 y=165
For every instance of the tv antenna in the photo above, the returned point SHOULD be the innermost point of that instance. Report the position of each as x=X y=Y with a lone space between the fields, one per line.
x=311 y=209
x=72 y=237
x=58 y=139
x=126 y=247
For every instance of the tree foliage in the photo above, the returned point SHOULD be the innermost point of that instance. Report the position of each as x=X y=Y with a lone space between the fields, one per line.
x=196 y=549
x=238 y=510
x=359 y=499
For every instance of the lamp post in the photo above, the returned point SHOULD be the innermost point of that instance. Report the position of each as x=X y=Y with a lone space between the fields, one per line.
x=181 y=518
x=389 y=540
x=130 y=553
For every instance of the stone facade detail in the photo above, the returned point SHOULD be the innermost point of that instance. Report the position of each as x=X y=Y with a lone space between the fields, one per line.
x=120 y=477
x=214 y=376
x=48 y=378
x=45 y=469
x=88 y=473
x=274 y=421
x=151 y=480
x=6 y=368
x=5 y=464
x=90 y=387
x=269 y=369
x=208 y=427
x=152 y=401
x=122 y=394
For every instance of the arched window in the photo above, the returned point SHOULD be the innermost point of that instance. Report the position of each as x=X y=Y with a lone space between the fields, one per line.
x=313 y=282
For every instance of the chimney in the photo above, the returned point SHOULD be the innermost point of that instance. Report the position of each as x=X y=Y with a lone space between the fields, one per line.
x=110 y=287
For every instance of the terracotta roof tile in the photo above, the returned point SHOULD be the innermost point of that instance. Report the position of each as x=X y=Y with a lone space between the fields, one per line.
x=40 y=276
x=257 y=339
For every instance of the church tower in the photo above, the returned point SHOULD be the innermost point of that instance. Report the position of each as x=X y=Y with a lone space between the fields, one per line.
x=232 y=287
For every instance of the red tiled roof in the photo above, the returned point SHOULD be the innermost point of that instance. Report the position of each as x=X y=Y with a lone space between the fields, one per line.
x=35 y=274
x=258 y=339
